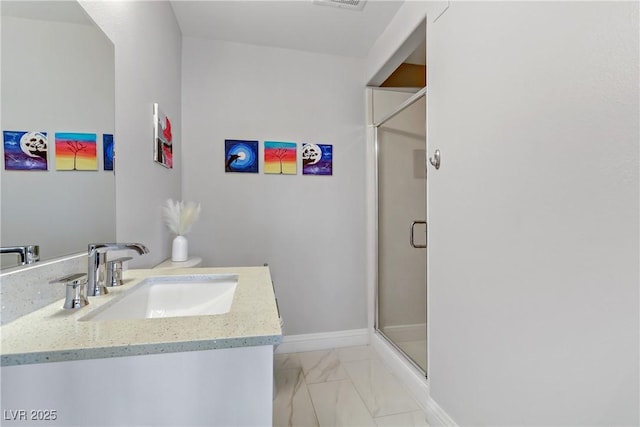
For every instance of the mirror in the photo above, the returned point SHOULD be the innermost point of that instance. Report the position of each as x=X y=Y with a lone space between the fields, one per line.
x=57 y=78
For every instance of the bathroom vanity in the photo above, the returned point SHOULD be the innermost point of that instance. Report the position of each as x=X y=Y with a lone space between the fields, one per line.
x=71 y=367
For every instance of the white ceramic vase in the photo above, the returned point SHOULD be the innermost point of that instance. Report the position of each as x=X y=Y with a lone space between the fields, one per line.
x=180 y=249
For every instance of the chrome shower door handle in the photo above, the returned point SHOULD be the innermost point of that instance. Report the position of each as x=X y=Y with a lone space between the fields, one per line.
x=435 y=160
x=411 y=240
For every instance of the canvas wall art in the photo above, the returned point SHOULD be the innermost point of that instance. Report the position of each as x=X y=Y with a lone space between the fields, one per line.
x=76 y=151
x=317 y=159
x=280 y=157
x=108 y=151
x=25 y=150
x=162 y=138
x=240 y=156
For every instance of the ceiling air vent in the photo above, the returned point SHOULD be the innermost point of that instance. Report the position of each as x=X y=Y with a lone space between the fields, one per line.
x=342 y=4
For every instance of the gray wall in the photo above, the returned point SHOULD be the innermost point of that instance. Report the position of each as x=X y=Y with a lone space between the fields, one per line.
x=310 y=229
x=534 y=263
x=148 y=50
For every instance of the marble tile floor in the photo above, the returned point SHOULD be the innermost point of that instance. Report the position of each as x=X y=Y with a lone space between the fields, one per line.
x=341 y=387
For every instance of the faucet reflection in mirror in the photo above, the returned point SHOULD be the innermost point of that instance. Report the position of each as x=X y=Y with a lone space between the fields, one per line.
x=97 y=273
x=28 y=254
x=179 y=217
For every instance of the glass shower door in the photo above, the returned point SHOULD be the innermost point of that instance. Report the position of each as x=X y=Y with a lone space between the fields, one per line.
x=402 y=255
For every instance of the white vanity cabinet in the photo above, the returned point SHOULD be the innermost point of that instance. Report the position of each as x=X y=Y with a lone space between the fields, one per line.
x=223 y=387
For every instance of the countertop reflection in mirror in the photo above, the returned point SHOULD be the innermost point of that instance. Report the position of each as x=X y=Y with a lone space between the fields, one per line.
x=57 y=77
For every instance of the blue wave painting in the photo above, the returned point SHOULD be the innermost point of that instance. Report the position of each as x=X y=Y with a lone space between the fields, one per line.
x=25 y=150
x=317 y=159
x=108 y=151
x=240 y=156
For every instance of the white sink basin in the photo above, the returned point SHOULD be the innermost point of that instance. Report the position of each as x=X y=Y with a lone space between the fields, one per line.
x=171 y=296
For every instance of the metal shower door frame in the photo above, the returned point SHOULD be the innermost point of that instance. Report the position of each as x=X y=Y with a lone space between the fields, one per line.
x=410 y=101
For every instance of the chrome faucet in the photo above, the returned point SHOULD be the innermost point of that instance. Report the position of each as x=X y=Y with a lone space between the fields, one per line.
x=28 y=254
x=97 y=274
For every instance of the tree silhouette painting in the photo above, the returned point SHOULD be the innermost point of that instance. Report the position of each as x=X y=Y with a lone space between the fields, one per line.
x=280 y=154
x=75 y=147
x=280 y=158
x=76 y=151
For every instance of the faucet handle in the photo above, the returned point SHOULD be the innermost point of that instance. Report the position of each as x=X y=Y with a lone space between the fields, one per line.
x=76 y=290
x=114 y=271
x=32 y=254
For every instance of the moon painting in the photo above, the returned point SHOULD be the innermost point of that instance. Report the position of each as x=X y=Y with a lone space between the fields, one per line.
x=317 y=159
x=240 y=156
x=24 y=150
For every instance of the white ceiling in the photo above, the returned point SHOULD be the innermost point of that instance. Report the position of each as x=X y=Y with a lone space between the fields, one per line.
x=292 y=24
x=48 y=10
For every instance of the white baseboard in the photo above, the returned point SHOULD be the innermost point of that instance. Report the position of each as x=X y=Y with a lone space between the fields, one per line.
x=408 y=374
x=323 y=341
x=436 y=416
x=413 y=379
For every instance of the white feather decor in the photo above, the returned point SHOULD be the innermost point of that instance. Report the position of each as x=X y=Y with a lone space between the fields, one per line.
x=180 y=216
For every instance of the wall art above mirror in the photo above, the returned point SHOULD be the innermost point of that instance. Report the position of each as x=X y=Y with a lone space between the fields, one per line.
x=57 y=78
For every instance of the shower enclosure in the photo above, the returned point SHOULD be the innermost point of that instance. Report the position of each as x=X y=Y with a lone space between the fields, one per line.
x=401 y=303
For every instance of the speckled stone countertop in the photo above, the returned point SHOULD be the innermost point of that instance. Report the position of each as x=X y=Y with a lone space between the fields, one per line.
x=52 y=334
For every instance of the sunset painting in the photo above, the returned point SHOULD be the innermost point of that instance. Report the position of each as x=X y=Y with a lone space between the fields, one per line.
x=76 y=152
x=280 y=157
